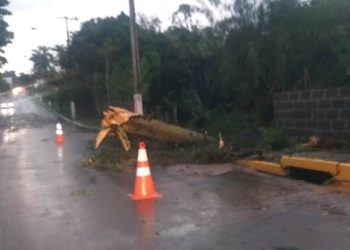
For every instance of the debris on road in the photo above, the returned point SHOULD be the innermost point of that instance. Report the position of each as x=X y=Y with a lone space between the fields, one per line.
x=117 y=121
x=314 y=142
x=112 y=155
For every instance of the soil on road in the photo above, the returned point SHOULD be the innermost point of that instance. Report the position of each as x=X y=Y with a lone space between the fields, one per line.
x=48 y=201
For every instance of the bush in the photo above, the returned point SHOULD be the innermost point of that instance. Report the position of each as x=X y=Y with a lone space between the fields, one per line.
x=274 y=138
x=4 y=87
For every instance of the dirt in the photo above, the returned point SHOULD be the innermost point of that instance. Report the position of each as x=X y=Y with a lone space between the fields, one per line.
x=111 y=155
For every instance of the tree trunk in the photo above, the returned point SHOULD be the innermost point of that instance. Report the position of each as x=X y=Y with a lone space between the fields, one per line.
x=116 y=120
x=162 y=131
x=107 y=80
x=175 y=120
x=95 y=97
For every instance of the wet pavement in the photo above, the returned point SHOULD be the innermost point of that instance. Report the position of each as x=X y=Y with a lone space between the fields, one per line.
x=48 y=201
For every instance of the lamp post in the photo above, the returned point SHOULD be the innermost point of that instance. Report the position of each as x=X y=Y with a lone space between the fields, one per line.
x=135 y=57
x=67 y=29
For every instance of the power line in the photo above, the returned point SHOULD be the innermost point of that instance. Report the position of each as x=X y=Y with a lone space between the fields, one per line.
x=66 y=18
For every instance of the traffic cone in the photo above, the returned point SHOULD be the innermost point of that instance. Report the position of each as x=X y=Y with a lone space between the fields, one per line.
x=59 y=134
x=144 y=188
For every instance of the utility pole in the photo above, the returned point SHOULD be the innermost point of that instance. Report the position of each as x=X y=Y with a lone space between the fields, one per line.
x=67 y=29
x=135 y=56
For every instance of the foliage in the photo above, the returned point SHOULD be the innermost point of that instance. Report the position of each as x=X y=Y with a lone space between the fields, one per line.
x=274 y=138
x=111 y=155
x=4 y=87
x=232 y=62
x=25 y=79
x=5 y=35
x=42 y=59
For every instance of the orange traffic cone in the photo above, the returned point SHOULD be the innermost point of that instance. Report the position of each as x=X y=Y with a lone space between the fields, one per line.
x=59 y=133
x=144 y=188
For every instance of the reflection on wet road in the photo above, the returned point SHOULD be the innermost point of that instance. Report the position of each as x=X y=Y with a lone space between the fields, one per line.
x=48 y=201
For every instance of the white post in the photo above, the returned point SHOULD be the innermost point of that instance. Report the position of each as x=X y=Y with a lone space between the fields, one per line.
x=50 y=103
x=138 y=108
x=135 y=59
x=72 y=110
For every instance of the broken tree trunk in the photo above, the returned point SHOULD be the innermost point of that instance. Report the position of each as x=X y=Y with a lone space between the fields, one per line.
x=117 y=120
x=161 y=130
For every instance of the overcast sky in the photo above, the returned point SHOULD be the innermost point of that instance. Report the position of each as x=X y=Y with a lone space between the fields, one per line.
x=35 y=22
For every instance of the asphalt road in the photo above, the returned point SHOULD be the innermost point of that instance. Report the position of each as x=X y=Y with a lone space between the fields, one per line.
x=48 y=201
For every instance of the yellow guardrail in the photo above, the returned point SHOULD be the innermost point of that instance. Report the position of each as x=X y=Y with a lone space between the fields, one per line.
x=309 y=164
x=340 y=171
x=263 y=166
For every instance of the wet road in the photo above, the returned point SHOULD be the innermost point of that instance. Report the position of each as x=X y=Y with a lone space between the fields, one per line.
x=48 y=201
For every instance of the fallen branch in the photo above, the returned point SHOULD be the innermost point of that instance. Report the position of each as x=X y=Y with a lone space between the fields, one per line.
x=117 y=120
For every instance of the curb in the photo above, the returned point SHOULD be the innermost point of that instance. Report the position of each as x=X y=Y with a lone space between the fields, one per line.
x=263 y=166
x=340 y=171
x=75 y=123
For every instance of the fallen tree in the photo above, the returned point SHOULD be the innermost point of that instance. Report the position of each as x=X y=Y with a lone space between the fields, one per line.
x=117 y=122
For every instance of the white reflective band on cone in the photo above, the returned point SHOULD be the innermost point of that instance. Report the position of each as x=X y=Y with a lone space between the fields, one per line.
x=59 y=132
x=58 y=126
x=142 y=156
x=143 y=171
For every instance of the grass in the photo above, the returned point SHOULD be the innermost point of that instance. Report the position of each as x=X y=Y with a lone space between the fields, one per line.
x=274 y=138
x=111 y=155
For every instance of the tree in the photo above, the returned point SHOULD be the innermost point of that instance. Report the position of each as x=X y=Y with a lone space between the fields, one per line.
x=149 y=23
x=247 y=51
x=4 y=87
x=25 y=79
x=94 y=54
x=5 y=35
x=43 y=62
x=60 y=59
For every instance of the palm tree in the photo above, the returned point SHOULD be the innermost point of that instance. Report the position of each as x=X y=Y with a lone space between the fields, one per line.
x=42 y=61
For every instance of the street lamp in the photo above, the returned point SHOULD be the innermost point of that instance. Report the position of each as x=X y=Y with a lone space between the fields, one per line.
x=68 y=19
x=135 y=56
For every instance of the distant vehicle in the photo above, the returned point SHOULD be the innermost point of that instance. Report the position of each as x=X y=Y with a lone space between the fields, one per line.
x=19 y=91
x=7 y=108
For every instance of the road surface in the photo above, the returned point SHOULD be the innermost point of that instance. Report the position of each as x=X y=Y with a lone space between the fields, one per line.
x=48 y=201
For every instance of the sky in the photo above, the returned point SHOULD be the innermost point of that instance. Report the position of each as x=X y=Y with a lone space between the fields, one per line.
x=36 y=22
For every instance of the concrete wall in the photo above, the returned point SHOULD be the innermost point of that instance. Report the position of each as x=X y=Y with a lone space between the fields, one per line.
x=314 y=112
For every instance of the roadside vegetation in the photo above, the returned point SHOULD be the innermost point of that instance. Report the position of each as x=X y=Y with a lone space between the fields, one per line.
x=219 y=63
x=215 y=68
x=5 y=38
x=111 y=155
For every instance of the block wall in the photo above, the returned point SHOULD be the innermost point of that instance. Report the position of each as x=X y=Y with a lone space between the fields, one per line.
x=314 y=112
